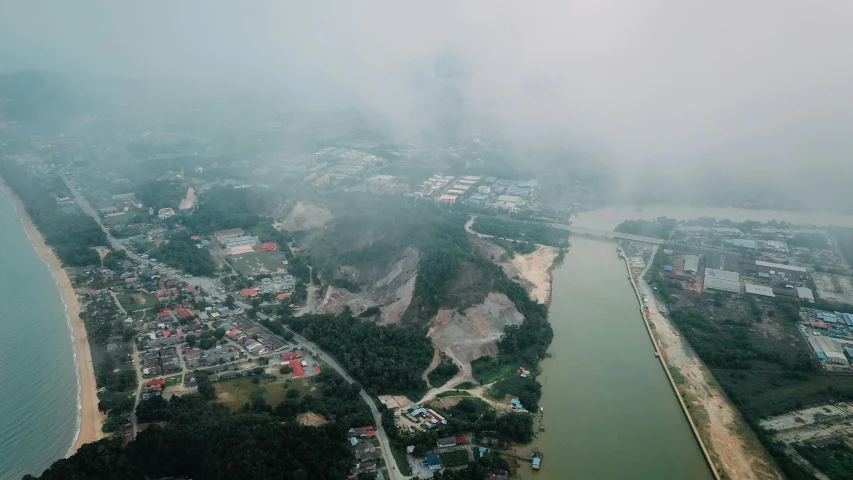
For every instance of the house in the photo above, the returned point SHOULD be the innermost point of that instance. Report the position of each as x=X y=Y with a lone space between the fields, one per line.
x=365 y=451
x=367 y=431
x=249 y=292
x=432 y=461
x=368 y=466
x=446 y=442
x=269 y=246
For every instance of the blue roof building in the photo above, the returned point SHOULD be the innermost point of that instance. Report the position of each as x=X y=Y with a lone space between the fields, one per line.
x=353 y=441
x=537 y=463
x=432 y=461
x=482 y=451
x=667 y=268
x=516 y=404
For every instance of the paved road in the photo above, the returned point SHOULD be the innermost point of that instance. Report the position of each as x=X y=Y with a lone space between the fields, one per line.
x=139 y=381
x=384 y=444
x=210 y=286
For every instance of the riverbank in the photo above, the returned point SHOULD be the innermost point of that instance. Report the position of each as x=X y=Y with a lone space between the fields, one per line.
x=725 y=439
x=90 y=419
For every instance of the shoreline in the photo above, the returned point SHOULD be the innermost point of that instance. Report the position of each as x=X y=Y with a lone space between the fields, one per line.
x=662 y=358
x=89 y=418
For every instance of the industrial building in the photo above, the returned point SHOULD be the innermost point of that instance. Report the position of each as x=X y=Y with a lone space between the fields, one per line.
x=805 y=294
x=691 y=264
x=762 y=290
x=722 y=280
x=828 y=350
x=788 y=272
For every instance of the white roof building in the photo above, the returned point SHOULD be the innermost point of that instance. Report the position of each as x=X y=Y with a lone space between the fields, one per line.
x=722 y=280
x=759 y=290
x=805 y=294
x=691 y=263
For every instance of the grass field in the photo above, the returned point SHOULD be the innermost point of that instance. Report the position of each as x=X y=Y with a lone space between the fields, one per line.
x=172 y=381
x=456 y=458
x=118 y=219
x=237 y=392
x=258 y=262
x=402 y=463
x=137 y=301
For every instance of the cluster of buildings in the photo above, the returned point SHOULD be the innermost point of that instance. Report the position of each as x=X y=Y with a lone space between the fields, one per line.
x=196 y=357
x=365 y=451
x=417 y=413
x=161 y=361
x=339 y=164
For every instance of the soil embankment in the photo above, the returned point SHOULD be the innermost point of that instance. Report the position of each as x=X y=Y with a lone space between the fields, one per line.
x=732 y=446
x=91 y=419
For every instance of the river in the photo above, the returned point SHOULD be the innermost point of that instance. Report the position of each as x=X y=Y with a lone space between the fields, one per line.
x=609 y=409
x=38 y=397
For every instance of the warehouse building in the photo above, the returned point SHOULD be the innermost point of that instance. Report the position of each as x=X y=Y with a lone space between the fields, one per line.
x=805 y=294
x=833 y=352
x=691 y=264
x=759 y=290
x=722 y=280
x=789 y=272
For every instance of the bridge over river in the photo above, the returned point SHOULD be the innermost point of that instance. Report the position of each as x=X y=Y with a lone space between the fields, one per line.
x=609 y=234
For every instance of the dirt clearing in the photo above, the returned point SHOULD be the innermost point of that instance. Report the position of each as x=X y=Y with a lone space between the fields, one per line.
x=834 y=288
x=311 y=419
x=303 y=216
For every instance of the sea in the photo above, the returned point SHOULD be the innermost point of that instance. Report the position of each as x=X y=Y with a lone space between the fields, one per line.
x=39 y=389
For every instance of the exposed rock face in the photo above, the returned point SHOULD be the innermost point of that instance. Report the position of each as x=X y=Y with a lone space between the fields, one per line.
x=392 y=292
x=466 y=337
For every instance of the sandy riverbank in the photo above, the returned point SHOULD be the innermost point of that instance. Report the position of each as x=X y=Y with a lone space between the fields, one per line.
x=536 y=268
x=90 y=419
x=724 y=436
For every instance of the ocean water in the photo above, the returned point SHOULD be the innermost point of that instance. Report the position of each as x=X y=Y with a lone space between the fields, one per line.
x=38 y=375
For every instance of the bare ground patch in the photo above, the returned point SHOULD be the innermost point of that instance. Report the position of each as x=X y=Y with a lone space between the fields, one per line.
x=311 y=419
x=834 y=288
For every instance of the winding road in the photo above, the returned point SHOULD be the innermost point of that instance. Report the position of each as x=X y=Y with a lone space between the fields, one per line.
x=384 y=444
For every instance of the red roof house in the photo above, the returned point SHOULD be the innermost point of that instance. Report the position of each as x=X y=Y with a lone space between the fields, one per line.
x=183 y=312
x=296 y=365
x=249 y=292
x=282 y=296
x=289 y=356
x=164 y=313
x=369 y=431
x=155 y=383
x=269 y=246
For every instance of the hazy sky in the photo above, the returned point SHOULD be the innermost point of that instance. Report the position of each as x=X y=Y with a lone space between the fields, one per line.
x=756 y=85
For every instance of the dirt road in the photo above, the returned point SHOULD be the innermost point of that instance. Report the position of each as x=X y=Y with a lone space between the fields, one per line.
x=733 y=447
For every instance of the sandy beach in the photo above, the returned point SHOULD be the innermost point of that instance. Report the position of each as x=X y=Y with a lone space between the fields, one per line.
x=90 y=418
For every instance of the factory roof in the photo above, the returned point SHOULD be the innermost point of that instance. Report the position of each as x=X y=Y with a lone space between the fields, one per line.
x=722 y=280
x=759 y=290
x=805 y=293
x=780 y=266
x=691 y=263
x=509 y=198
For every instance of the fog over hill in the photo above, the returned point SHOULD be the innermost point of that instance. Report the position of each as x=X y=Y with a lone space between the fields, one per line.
x=691 y=100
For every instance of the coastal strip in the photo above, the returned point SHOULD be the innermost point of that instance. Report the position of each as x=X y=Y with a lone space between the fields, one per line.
x=662 y=360
x=89 y=419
